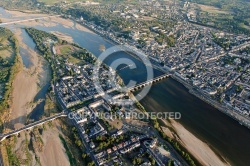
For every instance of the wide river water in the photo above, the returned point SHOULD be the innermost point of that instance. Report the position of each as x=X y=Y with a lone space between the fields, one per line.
x=223 y=134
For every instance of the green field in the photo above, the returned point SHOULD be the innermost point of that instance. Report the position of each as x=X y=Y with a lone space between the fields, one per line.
x=51 y=2
x=212 y=9
x=244 y=26
x=65 y=49
x=73 y=60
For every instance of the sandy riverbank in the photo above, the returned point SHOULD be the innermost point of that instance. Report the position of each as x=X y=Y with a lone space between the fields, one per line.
x=48 y=22
x=63 y=36
x=25 y=85
x=53 y=152
x=83 y=28
x=200 y=150
x=16 y=14
x=48 y=150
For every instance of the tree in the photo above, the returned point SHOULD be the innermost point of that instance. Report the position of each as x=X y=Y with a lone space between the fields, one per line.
x=239 y=88
x=92 y=163
x=153 y=161
x=170 y=40
x=170 y=162
x=134 y=162
x=78 y=142
x=84 y=155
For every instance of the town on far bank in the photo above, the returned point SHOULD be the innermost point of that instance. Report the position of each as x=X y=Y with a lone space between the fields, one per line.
x=208 y=64
x=212 y=63
x=109 y=134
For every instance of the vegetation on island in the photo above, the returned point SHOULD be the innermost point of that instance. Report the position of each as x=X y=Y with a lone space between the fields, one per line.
x=9 y=66
x=45 y=46
x=12 y=158
x=46 y=42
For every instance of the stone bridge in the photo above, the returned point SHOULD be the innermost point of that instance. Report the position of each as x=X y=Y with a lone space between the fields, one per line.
x=148 y=82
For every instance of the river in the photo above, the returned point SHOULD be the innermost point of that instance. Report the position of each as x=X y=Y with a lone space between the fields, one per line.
x=223 y=134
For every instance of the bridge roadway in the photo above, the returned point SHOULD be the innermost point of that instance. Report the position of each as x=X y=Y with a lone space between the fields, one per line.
x=148 y=82
x=32 y=19
x=31 y=125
